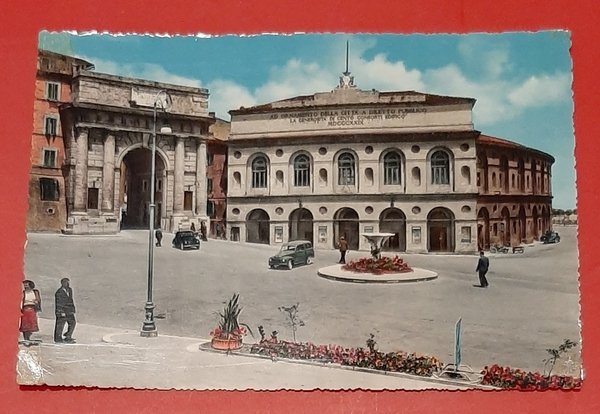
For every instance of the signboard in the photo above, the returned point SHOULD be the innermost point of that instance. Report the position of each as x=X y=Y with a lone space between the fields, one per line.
x=457 y=354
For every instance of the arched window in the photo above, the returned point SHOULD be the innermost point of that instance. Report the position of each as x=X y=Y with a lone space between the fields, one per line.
x=301 y=171
x=259 y=172
x=346 y=169
x=391 y=169
x=440 y=168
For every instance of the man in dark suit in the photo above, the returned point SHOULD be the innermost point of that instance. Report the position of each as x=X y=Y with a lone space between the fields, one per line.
x=64 y=309
x=482 y=267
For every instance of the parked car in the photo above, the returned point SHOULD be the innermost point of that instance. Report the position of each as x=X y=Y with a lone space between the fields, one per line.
x=186 y=240
x=292 y=254
x=551 y=237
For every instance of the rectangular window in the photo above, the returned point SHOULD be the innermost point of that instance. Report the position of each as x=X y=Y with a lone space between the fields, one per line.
x=391 y=175
x=188 y=197
x=346 y=176
x=259 y=179
x=48 y=189
x=209 y=185
x=440 y=175
x=52 y=89
x=92 y=202
x=49 y=158
x=50 y=126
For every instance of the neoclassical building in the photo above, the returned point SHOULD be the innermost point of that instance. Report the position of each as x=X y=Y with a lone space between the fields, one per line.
x=352 y=161
x=107 y=129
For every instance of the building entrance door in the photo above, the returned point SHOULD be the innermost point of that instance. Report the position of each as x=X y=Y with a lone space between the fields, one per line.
x=134 y=189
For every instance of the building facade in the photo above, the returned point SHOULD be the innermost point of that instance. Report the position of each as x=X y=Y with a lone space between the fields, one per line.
x=349 y=161
x=514 y=205
x=108 y=129
x=47 y=201
x=216 y=172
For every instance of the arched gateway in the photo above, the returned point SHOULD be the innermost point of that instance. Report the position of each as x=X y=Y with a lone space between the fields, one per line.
x=108 y=138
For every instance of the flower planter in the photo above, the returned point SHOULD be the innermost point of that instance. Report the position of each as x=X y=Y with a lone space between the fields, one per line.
x=226 y=344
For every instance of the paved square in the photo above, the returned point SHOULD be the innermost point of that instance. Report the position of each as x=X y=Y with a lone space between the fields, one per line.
x=532 y=303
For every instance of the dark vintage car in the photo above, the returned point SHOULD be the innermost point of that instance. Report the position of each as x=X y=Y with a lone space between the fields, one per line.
x=292 y=254
x=550 y=237
x=186 y=240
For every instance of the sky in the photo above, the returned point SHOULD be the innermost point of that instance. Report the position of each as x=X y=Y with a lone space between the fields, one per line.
x=521 y=81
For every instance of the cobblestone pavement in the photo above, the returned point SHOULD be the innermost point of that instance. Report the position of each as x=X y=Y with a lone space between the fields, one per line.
x=532 y=303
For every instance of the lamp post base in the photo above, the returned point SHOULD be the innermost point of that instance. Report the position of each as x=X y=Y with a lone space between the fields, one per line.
x=149 y=327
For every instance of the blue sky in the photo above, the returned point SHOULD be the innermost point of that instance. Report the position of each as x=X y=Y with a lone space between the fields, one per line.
x=522 y=81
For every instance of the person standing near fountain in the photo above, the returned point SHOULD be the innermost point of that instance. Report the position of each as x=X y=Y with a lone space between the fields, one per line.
x=343 y=246
x=482 y=267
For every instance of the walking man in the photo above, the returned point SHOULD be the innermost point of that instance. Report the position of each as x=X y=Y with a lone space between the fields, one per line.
x=482 y=267
x=158 y=234
x=64 y=308
x=343 y=246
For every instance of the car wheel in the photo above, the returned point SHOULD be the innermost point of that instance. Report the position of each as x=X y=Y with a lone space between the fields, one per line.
x=290 y=264
x=309 y=260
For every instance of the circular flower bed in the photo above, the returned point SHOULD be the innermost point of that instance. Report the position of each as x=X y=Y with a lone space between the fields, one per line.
x=378 y=266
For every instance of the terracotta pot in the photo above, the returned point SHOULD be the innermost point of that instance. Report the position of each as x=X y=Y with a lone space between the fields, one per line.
x=226 y=344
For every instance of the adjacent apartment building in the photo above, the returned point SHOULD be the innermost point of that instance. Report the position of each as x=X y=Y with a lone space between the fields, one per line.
x=47 y=202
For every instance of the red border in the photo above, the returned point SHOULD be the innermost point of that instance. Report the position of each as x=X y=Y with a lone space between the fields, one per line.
x=21 y=22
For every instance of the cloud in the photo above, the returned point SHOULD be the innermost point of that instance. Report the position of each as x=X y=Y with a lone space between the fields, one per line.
x=226 y=95
x=541 y=90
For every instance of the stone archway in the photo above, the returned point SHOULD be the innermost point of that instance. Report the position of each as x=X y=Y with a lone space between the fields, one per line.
x=134 y=188
x=393 y=220
x=345 y=223
x=301 y=225
x=535 y=217
x=258 y=227
x=440 y=230
x=522 y=225
x=483 y=229
x=505 y=234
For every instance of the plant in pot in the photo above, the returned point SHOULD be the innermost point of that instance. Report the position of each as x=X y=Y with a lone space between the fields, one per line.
x=228 y=335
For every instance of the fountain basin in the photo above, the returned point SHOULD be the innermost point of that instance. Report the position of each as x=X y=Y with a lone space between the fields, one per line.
x=335 y=272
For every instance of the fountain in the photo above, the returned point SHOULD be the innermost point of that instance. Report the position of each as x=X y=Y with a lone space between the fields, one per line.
x=376 y=241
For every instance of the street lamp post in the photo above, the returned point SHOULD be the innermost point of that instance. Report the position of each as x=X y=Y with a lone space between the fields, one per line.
x=149 y=327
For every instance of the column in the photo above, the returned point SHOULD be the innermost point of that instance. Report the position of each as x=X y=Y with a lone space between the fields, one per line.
x=178 y=175
x=108 y=173
x=201 y=177
x=81 y=166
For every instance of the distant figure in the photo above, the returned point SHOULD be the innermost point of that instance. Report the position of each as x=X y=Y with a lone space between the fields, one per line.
x=65 y=312
x=203 y=231
x=193 y=227
x=159 y=236
x=31 y=304
x=343 y=246
x=482 y=267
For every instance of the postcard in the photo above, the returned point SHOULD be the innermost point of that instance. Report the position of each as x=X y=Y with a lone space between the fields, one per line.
x=313 y=211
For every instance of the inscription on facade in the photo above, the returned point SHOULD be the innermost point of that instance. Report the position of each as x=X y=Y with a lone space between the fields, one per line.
x=345 y=117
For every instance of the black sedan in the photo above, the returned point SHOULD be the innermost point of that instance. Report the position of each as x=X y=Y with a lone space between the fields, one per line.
x=550 y=237
x=186 y=240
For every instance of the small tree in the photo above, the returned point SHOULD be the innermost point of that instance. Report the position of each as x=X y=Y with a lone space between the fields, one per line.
x=555 y=354
x=292 y=315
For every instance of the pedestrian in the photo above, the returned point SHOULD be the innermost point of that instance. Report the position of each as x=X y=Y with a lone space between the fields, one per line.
x=343 y=246
x=193 y=227
x=64 y=308
x=203 y=231
x=159 y=235
x=482 y=267
x=31 y=304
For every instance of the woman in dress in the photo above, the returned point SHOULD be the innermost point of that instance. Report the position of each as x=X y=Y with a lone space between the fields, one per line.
x=31 y=304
